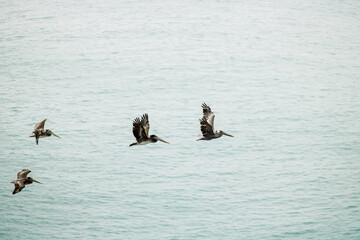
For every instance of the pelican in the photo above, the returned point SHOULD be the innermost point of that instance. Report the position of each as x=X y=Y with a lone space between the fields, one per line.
x=207 y=125
x=141 y=131
x=22 y=180
x=39 y=132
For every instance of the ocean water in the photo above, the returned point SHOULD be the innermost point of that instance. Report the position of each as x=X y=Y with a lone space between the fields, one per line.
x=281 y=76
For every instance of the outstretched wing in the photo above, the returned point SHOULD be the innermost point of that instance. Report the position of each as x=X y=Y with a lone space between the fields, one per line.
x=19 y=185
x=40 y=125
x=23 y=174
x=208 y=114
x=141 y=127
x=206 y=128
x=206 y=110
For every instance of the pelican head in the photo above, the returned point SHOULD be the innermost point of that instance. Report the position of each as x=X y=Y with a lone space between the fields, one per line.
x=224 y=133
x=156 y=138
x=33 y=180
x=49 y=132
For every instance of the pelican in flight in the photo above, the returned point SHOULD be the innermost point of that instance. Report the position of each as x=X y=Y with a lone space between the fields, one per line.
x=141 y=131
x=22 y=180
x=39 y=131
x=207 y=125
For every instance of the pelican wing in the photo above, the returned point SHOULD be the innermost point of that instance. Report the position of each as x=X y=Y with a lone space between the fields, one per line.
x=206 y=110
x=145 y=124
x=206 y=128
x=40 y=125
x=23 y=174
x=138 y=129
x=19 y=185
x=208 y=115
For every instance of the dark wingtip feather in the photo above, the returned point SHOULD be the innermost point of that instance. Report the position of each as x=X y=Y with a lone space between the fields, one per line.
x=136 y=120
x=205 y=107
x=145 y=116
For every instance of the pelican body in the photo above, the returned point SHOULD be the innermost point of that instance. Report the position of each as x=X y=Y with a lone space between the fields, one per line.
x=22 y=180
x=207 y=125
x=40 y=132
x=141 y=131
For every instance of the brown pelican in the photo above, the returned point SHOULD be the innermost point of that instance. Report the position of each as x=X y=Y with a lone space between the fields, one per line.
x=141 y=132
x=39 y=131
x=207 y=125
x=22 y=180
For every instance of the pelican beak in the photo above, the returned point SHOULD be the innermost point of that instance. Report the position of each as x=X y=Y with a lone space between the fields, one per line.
x=163 y=140
x=228 y=134
x=55 y=135
x=37 y=181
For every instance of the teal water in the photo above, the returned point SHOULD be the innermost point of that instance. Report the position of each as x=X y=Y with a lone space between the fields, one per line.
x=281 y=76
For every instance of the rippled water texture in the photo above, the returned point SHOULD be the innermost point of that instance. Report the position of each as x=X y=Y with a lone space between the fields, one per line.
x=281 y=76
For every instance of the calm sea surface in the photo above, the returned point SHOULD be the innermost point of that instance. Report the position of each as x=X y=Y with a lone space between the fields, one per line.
x=282 y=76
